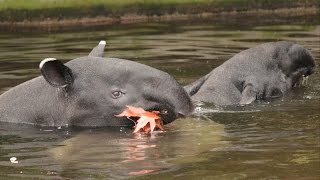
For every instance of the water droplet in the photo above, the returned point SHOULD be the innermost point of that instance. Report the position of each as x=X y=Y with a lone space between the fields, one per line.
x=198 y=109
x=13 y=160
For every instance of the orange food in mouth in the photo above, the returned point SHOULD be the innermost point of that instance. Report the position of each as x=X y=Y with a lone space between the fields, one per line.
x=148 y=120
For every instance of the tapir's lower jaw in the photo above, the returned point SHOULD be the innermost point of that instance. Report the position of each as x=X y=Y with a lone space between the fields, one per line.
x=170 y=118
x=300 y=77
x=168 y=115
x=300 y=81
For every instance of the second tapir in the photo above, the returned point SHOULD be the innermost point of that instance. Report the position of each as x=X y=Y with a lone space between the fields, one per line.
x=263 y=72
x=90 y=90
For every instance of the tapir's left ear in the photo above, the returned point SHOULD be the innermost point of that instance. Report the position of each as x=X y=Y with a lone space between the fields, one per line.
x=56 y=73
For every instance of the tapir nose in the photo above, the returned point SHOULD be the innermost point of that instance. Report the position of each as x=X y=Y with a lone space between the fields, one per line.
x=170 y=96
x=181 y=110
x=186 y=110
x=177 y=105
x=184 y=106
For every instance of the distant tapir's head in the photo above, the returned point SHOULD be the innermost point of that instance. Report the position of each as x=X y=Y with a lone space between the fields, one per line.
x=297 y=63
x=95 y=89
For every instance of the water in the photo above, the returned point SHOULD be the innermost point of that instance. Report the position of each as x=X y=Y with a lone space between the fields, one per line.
x=276 y=140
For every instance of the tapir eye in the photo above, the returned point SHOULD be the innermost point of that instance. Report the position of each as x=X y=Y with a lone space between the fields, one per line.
x=117 y=94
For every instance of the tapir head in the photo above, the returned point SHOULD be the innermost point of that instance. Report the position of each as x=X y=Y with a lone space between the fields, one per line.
x=298 y=63
x=95 y=89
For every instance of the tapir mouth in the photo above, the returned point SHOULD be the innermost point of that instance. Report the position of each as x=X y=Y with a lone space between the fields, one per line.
x=166 y=114
x=300 y=77
x=174 y=104
x=302 y=80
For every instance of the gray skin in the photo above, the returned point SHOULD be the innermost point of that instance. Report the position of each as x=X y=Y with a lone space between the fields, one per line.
x=89 y=91
x=263 y=72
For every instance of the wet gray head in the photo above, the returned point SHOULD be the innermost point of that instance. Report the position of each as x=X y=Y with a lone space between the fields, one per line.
x=95 y=89
x=263 y=72
x=295 y=60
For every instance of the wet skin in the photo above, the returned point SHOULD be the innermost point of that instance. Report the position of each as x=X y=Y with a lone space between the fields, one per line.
x=88 y=91
x=263 y=72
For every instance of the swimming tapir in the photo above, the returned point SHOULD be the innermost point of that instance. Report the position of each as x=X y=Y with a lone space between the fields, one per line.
x=90 y=91
x=266 y=71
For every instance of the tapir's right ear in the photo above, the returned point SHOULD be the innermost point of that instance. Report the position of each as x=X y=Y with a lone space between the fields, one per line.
x=56 y=73
x=98 y=51
x=249 y=94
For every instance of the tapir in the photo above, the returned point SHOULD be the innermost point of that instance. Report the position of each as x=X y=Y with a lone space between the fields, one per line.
x=89 y=91
x=263 y=72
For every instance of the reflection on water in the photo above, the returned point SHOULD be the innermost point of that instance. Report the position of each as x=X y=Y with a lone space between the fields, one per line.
x=268 y=140
x=105 y=152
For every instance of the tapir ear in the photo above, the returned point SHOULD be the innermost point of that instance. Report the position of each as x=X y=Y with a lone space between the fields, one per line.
x=194 y=87
x=249 y=95
x=56 y=73
x=98 y=51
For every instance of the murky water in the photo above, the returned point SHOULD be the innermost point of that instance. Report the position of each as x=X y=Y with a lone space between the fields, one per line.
x=276 y=140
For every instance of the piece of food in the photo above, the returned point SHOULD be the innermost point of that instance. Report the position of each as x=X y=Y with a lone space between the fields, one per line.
x=148 y=120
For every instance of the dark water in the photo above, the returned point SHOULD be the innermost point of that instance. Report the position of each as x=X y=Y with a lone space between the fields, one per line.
x=276 y=140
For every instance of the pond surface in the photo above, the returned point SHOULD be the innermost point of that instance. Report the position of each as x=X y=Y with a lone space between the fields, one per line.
x=276 y=140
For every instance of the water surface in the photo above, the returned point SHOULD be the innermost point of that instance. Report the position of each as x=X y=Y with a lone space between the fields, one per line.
x=267 y=140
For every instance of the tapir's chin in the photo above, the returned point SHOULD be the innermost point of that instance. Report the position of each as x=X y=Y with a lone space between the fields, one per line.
x=167 y=115
x=168 y=118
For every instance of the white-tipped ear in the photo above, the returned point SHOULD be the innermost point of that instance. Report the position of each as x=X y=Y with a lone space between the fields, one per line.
x=56 y=73
x=102 y=42
x=45 y=61
x=98 y=51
